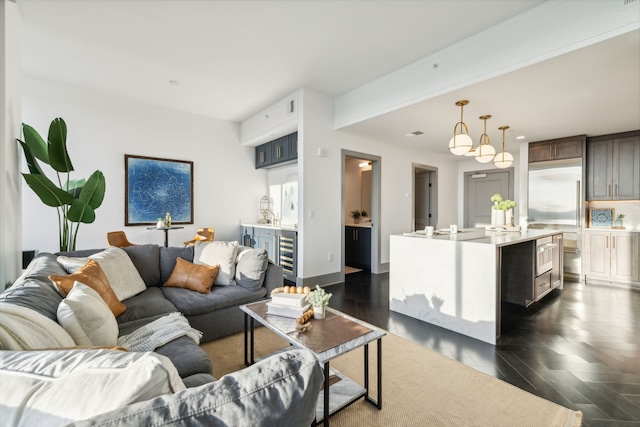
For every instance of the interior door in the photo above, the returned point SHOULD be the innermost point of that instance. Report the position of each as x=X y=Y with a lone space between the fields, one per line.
x=422 y=200
x=480 y=187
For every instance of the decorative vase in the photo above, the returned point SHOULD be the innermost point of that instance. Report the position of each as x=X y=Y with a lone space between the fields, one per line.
x=318 y=312
x=497 y=217
x=160 y=224
x=618 y=222
x=356 y=220
x=508 y=217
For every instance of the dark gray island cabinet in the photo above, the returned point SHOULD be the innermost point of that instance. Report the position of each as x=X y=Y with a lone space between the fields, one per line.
x=459 y=281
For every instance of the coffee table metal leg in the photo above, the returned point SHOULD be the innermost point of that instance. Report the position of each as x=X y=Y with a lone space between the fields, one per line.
x=378 y=403
x=252 y=340
x=248 y=336
x=326 y=394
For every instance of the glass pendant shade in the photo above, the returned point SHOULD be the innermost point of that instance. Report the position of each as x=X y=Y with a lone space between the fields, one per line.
x=471 y=153
x=460 y=144
x=485 y=153
x=503 y=160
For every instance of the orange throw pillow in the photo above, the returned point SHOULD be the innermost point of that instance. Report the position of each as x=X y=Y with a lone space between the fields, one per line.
x=195 y=277
x=92 y=275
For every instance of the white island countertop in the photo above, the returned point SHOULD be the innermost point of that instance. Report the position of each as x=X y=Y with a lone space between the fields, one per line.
x=481 y=235
x=454 y=280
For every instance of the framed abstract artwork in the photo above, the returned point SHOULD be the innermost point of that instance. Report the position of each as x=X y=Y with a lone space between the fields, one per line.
x=155 y=186
x=601 y=217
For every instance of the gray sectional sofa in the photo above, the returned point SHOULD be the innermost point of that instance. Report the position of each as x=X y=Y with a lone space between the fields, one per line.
x=215 y=314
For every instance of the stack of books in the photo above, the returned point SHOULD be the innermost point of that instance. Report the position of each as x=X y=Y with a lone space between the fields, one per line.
x=288 y=305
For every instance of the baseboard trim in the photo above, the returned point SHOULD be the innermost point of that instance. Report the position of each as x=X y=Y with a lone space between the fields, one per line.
x=325 y=279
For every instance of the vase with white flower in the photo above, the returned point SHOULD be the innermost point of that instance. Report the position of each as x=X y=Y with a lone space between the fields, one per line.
x=502 y=211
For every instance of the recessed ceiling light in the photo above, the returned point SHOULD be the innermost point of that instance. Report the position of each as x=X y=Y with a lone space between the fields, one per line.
x=174 y=82
x=520 y=137
x=415 y=133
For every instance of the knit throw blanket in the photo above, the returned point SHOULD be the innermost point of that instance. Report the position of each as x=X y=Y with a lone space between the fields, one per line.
x=159 y=332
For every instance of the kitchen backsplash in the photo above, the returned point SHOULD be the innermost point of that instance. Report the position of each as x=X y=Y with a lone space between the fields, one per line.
x=630 y=210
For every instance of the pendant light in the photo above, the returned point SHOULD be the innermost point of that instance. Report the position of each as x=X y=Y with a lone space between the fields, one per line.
x=485 y=152
x=461 y=142
x=503 y=159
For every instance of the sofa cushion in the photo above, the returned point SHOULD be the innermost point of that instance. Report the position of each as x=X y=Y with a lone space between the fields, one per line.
x=34 y=294
x=24 y=329
x=218 y=253
x=195 y=277
x=146 y=259
x=251 y=266
x=192 y=303
x=147 y=304
x=92 y=275
x=54 y=388
x=168 y=258
x=40 y=268
x=187 y=356
x=117 y=266
x=87 y=318
x=281 y=390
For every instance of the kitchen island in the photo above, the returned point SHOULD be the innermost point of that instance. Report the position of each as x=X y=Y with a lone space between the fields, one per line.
x=457 y=281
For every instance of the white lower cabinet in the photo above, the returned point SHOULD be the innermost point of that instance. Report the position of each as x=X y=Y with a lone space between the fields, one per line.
x=611 y=255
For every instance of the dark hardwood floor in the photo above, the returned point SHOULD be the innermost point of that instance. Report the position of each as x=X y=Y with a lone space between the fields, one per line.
x=580 y=347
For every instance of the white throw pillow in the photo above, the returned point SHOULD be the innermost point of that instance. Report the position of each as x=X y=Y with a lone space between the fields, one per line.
x=121 y=273
x=222 y=253
x=55 y=388
x=251 y=266
x=87 y=318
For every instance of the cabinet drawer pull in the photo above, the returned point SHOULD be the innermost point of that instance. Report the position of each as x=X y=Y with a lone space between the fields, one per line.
x=613 y=241
x=606 y=244
x=615 y=187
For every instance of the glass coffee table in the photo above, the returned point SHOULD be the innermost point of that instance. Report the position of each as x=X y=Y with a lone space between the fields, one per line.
x=327 y=339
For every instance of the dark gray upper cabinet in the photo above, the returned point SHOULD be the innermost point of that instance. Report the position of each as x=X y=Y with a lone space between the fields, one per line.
x=278 y=151
x=613 y=167
x=556 y=149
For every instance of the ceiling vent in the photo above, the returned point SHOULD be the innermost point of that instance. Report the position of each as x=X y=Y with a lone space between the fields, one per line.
x=415 y=133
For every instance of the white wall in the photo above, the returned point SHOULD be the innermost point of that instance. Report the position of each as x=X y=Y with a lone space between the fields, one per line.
x=320 y=180
x=10 y=86
x=103 y=128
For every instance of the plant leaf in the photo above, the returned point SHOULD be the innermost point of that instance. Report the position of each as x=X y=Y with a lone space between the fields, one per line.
x=47 y=190
x=81 y=212
x=58 y=156
x=32 y=163
x=36 y=143
x=93 y=191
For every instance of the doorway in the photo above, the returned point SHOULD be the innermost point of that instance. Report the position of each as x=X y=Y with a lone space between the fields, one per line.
x=361 y=192
x=425 y=196
x=479 y=187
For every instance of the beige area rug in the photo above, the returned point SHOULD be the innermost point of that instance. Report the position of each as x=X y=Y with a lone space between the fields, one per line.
x=420 y=388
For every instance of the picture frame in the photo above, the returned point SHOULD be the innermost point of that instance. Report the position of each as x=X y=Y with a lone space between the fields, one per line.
x=155 y=186
x=601 y=217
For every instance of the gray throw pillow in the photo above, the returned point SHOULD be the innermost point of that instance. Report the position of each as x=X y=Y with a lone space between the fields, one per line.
x=251 y=267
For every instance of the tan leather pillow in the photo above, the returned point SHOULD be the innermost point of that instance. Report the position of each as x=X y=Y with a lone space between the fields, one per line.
x=196 y=277
x=93 y=276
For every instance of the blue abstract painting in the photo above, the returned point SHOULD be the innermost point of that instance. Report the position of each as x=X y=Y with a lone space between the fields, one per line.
x=157 y=186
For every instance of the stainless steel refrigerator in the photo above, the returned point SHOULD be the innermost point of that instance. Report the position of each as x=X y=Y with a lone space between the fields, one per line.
x=556 y=201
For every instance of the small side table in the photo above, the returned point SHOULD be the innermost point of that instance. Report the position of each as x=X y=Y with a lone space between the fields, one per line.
x=166 y=232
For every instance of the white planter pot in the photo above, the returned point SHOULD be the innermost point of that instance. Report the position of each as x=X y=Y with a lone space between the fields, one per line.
x=160 y=224
x=318 y=312
x=497 y=217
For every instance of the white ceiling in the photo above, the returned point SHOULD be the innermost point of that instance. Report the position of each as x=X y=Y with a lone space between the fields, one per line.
x=234 y=58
